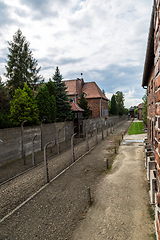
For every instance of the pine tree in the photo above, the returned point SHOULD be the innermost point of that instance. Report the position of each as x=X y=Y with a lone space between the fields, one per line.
x=4 y=106
x=113 y=109
x=46 y=101
x=83 y=103
x=120 y=102
x=21 y=66
x=24 y=107
x=62 y=101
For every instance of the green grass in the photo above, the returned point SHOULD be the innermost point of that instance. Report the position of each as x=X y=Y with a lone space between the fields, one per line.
x=136 y=128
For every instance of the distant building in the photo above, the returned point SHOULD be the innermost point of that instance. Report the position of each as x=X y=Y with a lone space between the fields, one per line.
x=131 y=111
x=140 y=116
x=78 y=119
x=97 y=101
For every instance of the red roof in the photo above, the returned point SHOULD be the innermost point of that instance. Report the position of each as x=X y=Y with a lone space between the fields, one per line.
x=76 y=108
x=140 y=105
x=93 y=91
x=71 y=86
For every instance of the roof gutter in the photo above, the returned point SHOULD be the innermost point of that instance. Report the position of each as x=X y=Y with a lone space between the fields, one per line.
x=149 y=60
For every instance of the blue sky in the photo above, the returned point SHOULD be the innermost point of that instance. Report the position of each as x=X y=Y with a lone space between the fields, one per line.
x=105 y=40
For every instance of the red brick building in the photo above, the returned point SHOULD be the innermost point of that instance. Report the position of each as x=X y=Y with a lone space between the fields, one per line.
x=151 y=81
x=97 y=101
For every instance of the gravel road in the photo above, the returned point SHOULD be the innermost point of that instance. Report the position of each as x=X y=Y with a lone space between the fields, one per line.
x=60 y=208
x=121 y=204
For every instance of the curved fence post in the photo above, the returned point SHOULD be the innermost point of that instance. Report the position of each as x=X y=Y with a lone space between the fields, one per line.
x=46 y=174
x=22 y=141
x=33 y=155
x=58 y=145
x=110 y=127
x=42 y=133
x=72 y=147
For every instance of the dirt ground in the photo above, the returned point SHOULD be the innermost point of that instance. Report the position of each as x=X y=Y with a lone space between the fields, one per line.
x=121 y=203
x=61 y=210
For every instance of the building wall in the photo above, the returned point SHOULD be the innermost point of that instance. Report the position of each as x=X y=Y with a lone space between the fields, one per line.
x=95 y=105
x=153 y=110
x=140 y=117
x=104 y=108
x=151 y=107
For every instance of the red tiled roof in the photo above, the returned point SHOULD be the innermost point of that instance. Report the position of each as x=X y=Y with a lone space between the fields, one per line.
x=71 y=86
x=140 y=105
x=93 y=91
x=76 y=108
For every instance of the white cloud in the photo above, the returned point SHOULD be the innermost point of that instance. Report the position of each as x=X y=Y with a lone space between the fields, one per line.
x=106 y=40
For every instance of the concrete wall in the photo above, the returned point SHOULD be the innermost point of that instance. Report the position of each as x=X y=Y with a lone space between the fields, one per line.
x=11 y=147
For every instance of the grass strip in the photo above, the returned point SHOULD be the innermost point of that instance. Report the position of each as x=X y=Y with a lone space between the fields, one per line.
x=136 y=128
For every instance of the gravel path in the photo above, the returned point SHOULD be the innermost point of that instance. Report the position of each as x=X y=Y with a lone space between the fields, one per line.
x=120 y=208
x=54 y=212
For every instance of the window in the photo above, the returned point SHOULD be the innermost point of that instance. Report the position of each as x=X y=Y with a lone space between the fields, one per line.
x=71 y=100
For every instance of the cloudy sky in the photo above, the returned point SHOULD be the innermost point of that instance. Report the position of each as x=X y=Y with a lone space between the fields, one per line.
x=105 y=40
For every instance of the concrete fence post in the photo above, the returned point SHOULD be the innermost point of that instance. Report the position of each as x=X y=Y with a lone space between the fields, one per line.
x=115 y=150
x=89 y=196
x=46 y=174
x=84 y=130
x=42 y=134
x=110 y=127
x=91 y=129
x=33 y=155
x=65 y=126
x=58 y=148
x=55 y=132
x=87 y=145
x=22 y=142
x=72 y=147
x=58 y=145
x=107 y=164
x=107 y=129
x=102 y=133
x=96 y=135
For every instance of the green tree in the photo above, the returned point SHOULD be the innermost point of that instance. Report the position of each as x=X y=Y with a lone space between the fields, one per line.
x=21 y=66
x=126 y=111
x=136 y=111
x=4 y=106
x=62 y=101
x=113 y=109
x=120 y=102
x=83 y=103
x=46 y=101
x=109 y=107
x=23 y=107
x=144 y=107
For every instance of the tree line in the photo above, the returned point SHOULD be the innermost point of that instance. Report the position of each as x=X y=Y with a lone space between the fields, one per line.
x=25 y=96
x=116 y=105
